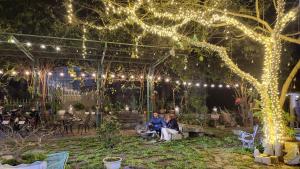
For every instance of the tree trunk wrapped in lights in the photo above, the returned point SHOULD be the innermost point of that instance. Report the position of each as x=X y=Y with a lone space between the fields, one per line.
x=211 y=17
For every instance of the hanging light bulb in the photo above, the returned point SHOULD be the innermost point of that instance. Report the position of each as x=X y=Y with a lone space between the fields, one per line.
x=131 y=77
x=103 y=76
x=177 y=82
x=13 y=72
x=112 y=76
x=28 y=44
x=205 y=85
x=158 y=78
x=184 y=83
x=94 y=74
x=220 y=85
x=27 y=72
x=198 y=84
x=212 y=85
x=141 y=77
x=57 y=48
x=1 y=72
x=227 y=86
x=82 y=75
x=189 y=83
x=236 y=85
x=43 y=46
x=50 y=73
x=123 y=76
x=167 y=80
x=61 y=74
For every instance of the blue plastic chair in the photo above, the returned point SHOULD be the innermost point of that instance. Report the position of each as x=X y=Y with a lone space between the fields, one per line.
x=57 y=160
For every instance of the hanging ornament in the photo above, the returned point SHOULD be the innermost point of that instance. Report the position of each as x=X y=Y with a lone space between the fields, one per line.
x=252 y=61
x=201 y=58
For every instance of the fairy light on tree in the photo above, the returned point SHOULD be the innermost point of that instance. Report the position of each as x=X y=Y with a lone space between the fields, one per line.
x=84 y=51
x=70 y=11
x=274 y=126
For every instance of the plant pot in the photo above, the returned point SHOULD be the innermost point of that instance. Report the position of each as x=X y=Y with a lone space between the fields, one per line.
x=112 y=162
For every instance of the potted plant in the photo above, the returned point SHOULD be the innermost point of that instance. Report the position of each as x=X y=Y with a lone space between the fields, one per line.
x=109 y=135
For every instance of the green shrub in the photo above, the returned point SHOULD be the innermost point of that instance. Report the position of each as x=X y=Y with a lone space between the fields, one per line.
x=12 y=162
x=109 y=131
x=78 y=106
x=32 y=157
x=26 y=159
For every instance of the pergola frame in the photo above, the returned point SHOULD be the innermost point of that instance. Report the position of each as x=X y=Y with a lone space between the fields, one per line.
x=34 y=57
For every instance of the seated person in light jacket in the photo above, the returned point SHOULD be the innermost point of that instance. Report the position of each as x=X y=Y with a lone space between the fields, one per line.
x=171 y=128
x=156 y=123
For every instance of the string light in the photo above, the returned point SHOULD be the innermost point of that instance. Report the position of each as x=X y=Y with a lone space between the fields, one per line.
x=167 y=80
x=131 y=77
x=212 y=85
x=94 y=74
x=82 y=74
x=27 y=73
x=61 y=74
x=220 y=85
x=205 y=85
x=28 y=44
x=49 y=73
x=112 y=76
x=57 y=48
x=123 y=76
x=198 y=84
x=72 y=75
x=84 y=51
x=70 y=11
x=43 y=46
x=13 y=72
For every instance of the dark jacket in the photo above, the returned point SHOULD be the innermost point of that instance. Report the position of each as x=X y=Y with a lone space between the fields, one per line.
x=172 y=124
x=156 y=123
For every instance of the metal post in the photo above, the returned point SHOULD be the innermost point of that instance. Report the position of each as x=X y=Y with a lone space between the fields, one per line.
x=150 y=78
x=149 y=93
x=99 y=114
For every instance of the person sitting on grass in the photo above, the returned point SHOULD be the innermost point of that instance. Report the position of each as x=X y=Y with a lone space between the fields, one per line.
x=171 y=128
x=156 y=123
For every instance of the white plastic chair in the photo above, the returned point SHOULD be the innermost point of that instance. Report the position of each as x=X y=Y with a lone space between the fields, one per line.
x=248 y=138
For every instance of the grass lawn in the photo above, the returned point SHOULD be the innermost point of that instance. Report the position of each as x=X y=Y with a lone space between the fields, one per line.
x=202 y=152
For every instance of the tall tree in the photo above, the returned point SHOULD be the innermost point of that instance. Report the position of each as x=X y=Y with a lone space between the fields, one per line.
x=165 y=19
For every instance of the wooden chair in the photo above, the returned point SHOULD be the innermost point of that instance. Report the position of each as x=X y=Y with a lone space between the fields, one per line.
x=248 y=138
x=84 y=124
